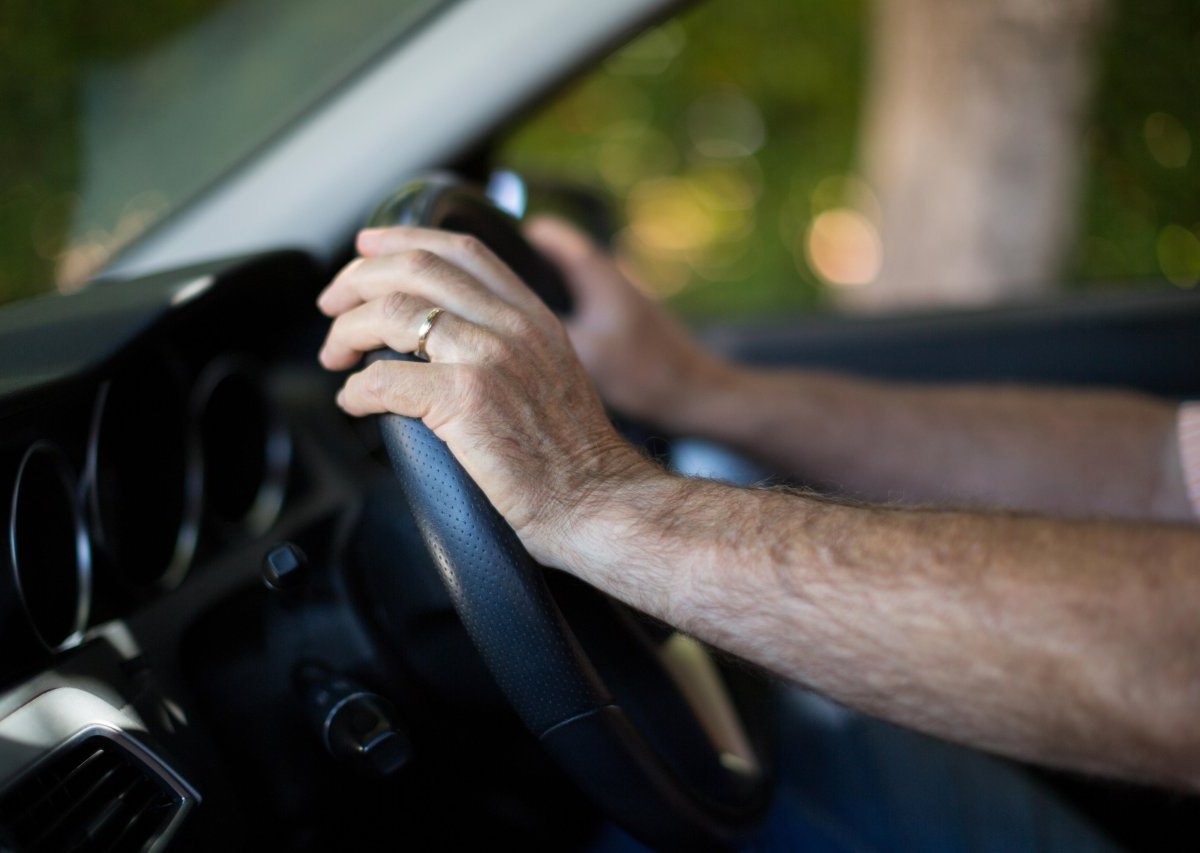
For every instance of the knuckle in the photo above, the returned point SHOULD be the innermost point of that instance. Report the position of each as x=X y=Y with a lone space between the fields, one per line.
x=396 y=305
x=491 y=347
x=471 y=246
x=523 y=327
x=377 y=381
x=525 y=332
x=471 y=383
x=422 y=261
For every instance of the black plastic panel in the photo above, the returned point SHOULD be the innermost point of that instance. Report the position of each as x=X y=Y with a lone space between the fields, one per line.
x=1149 y=341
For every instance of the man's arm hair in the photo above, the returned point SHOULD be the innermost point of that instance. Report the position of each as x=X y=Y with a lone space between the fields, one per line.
x=1069 y=643
x=1064 y=452
x=1058 y=451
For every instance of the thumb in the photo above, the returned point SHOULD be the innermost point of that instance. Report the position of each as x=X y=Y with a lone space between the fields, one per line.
x=559 y=239
x=572 y=251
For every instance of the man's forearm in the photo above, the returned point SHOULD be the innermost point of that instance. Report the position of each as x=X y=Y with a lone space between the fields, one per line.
x=1070 y=643
x=1079 y=453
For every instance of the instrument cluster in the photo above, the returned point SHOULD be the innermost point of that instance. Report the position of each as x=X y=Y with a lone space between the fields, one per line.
x=122 y=488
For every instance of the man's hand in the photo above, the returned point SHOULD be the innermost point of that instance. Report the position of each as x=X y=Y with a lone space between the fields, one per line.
x=1080 y=453
x=1071 y=643
x=645 y=362
x=503 y=387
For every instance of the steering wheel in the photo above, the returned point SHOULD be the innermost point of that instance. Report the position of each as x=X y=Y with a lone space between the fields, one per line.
x=652 y=738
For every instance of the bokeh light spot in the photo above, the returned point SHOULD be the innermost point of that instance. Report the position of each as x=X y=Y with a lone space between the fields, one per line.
x=633 y=152
x=650 y=54
x=664 y=216
x=727 y=186
x=656 y=274
x=845 y=191
x=1179 y=255
x=843 y=247
x=1168 y=140
x=725 y=125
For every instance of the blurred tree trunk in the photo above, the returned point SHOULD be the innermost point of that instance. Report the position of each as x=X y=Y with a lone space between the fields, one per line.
x=973 y=142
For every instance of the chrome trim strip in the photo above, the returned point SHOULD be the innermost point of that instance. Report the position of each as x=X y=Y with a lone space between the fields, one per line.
x=83 y=545
x=327 y=723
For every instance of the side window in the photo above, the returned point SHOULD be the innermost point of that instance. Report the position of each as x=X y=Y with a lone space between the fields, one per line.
x=775 y=158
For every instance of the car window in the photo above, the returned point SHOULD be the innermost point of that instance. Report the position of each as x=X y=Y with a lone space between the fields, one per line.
x=758 y=167
x=117 y=113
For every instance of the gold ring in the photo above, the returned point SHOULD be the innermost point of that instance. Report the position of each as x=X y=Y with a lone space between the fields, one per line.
x=423 y=332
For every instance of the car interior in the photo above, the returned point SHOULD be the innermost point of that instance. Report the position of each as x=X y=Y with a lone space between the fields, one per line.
x=232 y=617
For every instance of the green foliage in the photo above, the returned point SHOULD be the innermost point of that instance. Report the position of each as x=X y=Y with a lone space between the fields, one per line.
x=802 y=63
x=666 y=130
x=44 y=47
x=1143 y=152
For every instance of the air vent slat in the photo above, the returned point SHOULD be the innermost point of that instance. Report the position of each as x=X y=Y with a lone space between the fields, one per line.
x=93 y=796
x=58 y=790
x=143 y=829
x=129 y=837
x=103 y=822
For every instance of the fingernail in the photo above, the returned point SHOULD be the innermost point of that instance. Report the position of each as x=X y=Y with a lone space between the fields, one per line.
x=368 y=238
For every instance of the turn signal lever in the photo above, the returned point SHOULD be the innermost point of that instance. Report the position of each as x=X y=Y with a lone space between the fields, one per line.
x=355 y=725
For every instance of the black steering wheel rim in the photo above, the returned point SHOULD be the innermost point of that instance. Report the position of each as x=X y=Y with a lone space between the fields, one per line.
x=663 y=789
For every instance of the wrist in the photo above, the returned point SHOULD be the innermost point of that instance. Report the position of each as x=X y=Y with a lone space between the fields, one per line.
x=607 y=524
x=783 y=417
x=673 y=546
x=568 y=530
x=708 y=392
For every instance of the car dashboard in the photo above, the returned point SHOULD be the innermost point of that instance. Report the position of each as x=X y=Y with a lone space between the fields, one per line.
x=159 y=440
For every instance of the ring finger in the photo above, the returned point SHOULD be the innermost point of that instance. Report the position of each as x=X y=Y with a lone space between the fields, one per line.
x=395 y=321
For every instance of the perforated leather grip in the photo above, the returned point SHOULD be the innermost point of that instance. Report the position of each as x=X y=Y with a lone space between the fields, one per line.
x=506 y=607
x=504 y=602
x=496 y=587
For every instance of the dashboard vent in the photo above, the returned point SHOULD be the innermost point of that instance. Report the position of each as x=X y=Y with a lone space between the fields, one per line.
x=92 y=796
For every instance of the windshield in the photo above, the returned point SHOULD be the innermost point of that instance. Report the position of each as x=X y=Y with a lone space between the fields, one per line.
x=117 y=113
